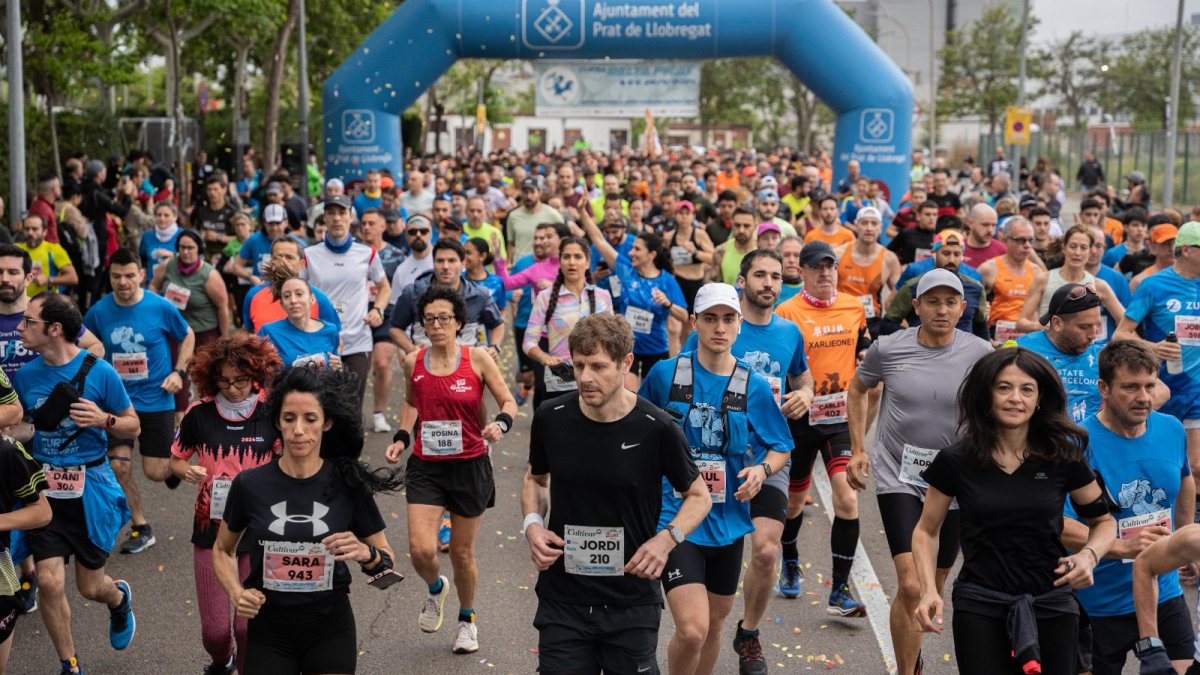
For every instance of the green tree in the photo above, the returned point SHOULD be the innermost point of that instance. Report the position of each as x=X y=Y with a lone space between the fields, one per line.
x=726 y=86
x=979 y=66
x=1070 y=71
x=1139 y=79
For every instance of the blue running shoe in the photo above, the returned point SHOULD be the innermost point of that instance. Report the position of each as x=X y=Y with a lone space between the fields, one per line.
x=444 y=534
x=121 y=624
x=790 y=577
x=842 y=604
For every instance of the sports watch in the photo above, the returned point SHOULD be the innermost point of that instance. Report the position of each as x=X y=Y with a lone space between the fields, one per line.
x=677 y=534
x=1146 y=644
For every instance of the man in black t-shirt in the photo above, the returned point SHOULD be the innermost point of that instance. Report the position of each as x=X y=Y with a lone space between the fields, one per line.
x=211 y=219
x=916 y=243
x=21 y=482
x=599 y=603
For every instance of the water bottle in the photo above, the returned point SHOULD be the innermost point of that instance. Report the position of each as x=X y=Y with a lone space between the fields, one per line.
x=1174 y=366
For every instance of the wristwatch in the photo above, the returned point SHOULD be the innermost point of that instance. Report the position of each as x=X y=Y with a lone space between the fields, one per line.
x=111 y=422
x=181 y=373
x=766 y=469
x=677 y=534
x=1146 y=644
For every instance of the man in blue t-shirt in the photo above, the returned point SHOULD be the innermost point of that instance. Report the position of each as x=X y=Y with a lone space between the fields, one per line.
x=1141 y=455
x=138 y=329
x=248 y=263
x=1068 y=342
x=617 y=234
x=87 y=502
x=709 y=393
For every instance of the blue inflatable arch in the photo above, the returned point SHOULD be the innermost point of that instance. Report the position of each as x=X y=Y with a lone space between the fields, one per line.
x=816 y=40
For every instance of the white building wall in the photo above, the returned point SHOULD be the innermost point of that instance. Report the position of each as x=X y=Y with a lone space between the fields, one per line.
x=596 y=131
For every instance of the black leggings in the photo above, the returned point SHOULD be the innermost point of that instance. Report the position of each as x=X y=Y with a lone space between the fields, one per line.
x=981 y=645
x=289 y=640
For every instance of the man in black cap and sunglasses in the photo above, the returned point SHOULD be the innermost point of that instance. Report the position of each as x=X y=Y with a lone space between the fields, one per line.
x=1072 y=322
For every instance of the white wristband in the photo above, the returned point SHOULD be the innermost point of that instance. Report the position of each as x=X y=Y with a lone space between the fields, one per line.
x=531 y=518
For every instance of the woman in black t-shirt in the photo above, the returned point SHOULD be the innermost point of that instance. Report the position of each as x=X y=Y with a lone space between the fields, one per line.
x=1019 y=456
x=306 y=515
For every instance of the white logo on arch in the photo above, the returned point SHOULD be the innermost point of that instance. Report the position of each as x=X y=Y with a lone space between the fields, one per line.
x=876 y=125
x=358 y=126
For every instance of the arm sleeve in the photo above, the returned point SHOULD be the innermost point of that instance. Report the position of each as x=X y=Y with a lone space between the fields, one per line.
x=113 y=397
x=375 y=272
x=23 y=477
x=539 y=464
x=1079 y=474
x=235 y=515
x=677 y=463
x=675 y=293
x=184 y=445
x=1139 y=307
x=654 y=387
x=870 y=371
x=404 y=313
x=491 y=315
x=366 y=519
x=173 y=321
x=60 y=257
x=799 y=362
x=246 y=322
x=537 y=321
x=941 y=475
x=7 y=393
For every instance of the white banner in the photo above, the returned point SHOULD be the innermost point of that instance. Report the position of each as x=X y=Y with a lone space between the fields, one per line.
x=617 y=89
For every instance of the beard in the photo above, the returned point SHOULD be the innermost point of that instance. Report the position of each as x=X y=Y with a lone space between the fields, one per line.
x=10 y=293
x=418 y=245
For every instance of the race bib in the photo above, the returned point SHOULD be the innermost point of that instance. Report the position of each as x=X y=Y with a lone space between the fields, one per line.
x=828 y=409
x=220 y=494
x=614 y=284
x=314 y=360
x=640 y=320
x=177 y=295
x=1102 y=334
x=913 y=462
x=713 y=473
x=1128 y=528
x=922 y=253
x=66 y=482
x=442 y=438
x=681 y=256
x=1007 y=330
x=473 y=335
x=594 y=551
x=1187 y=329
x=301 y=567
x=555 y=383
x=868 y=303
x=776 y=388
x=131 y=367
x=37 y=267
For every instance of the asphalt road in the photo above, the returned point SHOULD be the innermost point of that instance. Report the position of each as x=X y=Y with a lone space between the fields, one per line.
x=797 y=637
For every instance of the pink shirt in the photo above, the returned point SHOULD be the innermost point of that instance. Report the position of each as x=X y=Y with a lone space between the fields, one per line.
x=540 y=274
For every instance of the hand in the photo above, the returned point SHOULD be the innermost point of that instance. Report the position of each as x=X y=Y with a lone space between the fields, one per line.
x=492 y=432
x=857 y=470
x=494 y=352
x=516 y=296
x=85 y=413
x=195 y=474
x=1188 y=573
x=659 y=297
x=795 y=403
x=393 y=452
x=1075 y=570
x=249 y=601
x=1168 y=351
x=1130 y=548
x=255 y=280
x=335 y=362
x=549 y=360
x=1155 y=662
x=373 y=318
x=41 y=280
x=929 y=613
x=346 y=546
x=651 y=557
x=754 y=477
x=172 y=384
x=544 y=546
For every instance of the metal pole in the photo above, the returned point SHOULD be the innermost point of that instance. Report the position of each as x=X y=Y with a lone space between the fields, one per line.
x=1012 y=157
x=303 y=61
x=16 y=113
x=932 y=87
x=1173 y=113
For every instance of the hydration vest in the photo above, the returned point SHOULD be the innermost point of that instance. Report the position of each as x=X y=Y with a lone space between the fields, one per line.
x=735 y=424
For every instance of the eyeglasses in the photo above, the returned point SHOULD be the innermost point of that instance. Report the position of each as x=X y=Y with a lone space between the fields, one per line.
x=439 y=319
x=27 y=320
x=1021 y=240
x=421 y=232
x=239 y=383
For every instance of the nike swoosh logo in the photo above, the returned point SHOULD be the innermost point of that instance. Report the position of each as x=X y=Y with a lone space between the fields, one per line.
x=644 y=670
x=626 y=447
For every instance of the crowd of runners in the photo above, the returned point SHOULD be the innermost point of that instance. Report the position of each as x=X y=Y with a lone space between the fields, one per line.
x=1015 y=380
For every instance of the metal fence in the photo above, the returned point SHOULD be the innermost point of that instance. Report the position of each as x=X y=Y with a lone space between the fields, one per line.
x=1119 y=152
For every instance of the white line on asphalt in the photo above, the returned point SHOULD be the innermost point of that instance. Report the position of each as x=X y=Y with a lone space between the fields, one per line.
x=870 y=591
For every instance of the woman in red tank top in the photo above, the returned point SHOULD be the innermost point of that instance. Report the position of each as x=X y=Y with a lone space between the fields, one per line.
x=449 y=468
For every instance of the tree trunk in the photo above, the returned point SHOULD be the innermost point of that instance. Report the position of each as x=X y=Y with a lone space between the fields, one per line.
x=53 y=119
x=274 y=83
x=108 y=95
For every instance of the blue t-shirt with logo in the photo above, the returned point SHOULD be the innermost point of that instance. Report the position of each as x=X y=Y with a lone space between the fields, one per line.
x=1120 y=288
x=606 y=282
x=774 y=351
x=294 y=344
x=1142 y=475
x=137 y=344
x=256 y=250
x=637 y=296
x=525 y=304
x=1078 y=372
x=102 y=386
x=1164 y=303
x=704 y=430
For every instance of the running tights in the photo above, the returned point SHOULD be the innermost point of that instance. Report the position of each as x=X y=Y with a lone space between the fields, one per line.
x=215 y=609
x=982 y=647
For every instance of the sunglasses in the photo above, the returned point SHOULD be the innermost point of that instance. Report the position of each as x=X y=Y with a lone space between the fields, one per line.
x=1021 y=240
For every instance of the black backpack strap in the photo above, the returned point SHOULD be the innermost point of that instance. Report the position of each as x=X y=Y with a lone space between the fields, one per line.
x=81 y=376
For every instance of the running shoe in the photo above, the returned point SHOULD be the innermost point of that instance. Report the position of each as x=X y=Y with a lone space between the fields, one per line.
x=215 y=668
x=444 y=534
x=842 y=604
x=749 y=651
x=521 y=393
x=430 y=618
x=790 y=577
x=121 y=622
x=381 y=425
x=141 y=537
x=69 y=664
x=467 y=641
x=27 y=593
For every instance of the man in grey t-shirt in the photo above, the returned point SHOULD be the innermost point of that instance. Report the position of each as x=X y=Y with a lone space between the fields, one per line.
x=921 y=369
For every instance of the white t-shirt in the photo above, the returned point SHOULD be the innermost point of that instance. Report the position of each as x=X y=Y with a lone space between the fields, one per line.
x=343 y=277
x=407 y=272
x=414 y=204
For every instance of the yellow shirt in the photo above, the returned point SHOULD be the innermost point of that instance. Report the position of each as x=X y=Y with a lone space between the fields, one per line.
x=48 y=259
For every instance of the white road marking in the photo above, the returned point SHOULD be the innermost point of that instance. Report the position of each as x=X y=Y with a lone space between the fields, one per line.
x=870 y=591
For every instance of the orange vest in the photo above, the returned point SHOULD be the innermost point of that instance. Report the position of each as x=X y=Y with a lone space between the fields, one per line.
x=842 y=236
x=1009 y=292
x=862 y=281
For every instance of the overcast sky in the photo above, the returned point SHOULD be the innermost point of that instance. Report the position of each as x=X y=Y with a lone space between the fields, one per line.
x=1106 y=18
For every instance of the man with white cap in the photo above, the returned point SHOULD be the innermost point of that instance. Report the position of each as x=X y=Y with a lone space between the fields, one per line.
x=709 y=392
x=921 y=369
x=248 y=263
x=867 y=270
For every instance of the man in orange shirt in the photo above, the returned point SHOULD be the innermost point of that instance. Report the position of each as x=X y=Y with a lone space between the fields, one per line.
x=728 y=178
x=1007 y=278
x=1162 y=245
x=834 y=326
x=831 y=230
x=867 y=268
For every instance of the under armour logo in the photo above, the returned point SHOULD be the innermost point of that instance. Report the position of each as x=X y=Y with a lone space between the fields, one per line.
x=283 y=517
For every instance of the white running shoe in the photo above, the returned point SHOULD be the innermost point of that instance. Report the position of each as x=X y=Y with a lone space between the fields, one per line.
x=430 y=618
x=467 y=641
x=381 y=425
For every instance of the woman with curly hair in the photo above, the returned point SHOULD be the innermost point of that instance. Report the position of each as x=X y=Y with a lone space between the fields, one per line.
x=306 y=515
x=1018 y=459
x=227 y=431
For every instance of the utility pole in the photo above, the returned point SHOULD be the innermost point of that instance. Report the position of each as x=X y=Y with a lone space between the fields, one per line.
x=303 y=62
x=1173 y=112
x=1013 y=159
x=932 y=87
x=16 y=114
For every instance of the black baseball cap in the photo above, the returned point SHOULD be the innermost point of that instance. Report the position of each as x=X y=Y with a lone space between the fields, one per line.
x=530 y=183
x=814 y=252
x=338 y=200
x=1070 y=299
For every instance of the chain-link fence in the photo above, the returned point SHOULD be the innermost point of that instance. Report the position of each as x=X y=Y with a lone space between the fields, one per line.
x=1119 y=152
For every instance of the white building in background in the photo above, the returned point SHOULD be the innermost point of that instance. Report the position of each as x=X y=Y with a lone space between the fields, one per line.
x=527 y=132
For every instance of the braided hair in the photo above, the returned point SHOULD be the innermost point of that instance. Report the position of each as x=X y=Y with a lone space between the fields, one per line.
x=558 y=280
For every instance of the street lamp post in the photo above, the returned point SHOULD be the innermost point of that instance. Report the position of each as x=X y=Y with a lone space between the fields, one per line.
x=303 y=63
x=1173 y=113
x=16 y=113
